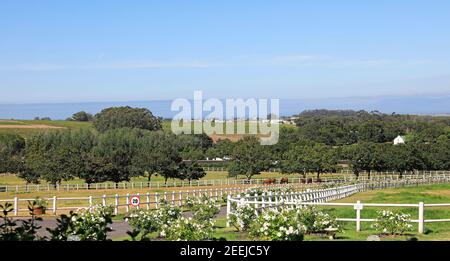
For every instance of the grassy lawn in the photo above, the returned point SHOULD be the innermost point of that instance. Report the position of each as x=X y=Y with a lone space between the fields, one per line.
x=427 y=193
x=439 y=193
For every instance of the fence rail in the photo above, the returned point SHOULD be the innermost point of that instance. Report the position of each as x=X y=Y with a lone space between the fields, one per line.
x=346 y=176
x=319 y=197
x=121 y=203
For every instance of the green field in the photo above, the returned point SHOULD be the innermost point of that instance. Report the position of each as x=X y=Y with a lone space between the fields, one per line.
x=11 y=123
x=166 y=124
x=27 y=132
x=439 y=193
x=427 y=193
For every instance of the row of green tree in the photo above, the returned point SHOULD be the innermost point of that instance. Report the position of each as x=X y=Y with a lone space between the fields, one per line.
x=343 y=127
x=367 y=156
x=119 y=154
x=114 y=155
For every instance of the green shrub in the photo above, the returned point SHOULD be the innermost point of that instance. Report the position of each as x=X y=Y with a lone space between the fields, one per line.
x=277 y=225
x=84 y=225
x=203 y=207
x=188 y=229
x=315 y=221
x=242 y=217
x=392 y=222
x=144 y=222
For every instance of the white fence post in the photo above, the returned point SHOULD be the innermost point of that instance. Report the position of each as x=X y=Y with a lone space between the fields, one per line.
x=127 y=200
x=421 y=215
x=54 y=204
x=90 y=203
x=358 y=216
x=16 y=206
x=228 y=209
x=116 y=204
x=138 y=206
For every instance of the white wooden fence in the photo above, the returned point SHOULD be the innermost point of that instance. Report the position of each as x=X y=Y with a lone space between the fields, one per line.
x=343 y=177
x=319 y=197
x=121 y=203
x=142 y=185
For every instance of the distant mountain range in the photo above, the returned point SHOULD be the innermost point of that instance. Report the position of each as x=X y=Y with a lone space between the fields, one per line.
x=414 y=104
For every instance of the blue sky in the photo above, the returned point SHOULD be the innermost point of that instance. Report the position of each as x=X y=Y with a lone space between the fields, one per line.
x=82 y=51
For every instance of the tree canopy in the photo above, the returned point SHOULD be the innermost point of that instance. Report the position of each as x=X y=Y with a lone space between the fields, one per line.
x=305 y=157
x=81 y=116
x=11 y=152
x=249 y=158
x=126 y=117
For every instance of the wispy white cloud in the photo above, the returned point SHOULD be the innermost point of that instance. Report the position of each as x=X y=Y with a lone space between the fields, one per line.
x=33 y=67
x=115 y=65
x=151 y=65
x=254 y=61
x=330 y=61
x=298 y=58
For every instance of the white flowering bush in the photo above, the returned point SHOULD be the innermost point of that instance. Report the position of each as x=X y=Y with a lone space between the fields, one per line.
x=188 y=229
x=277 y=225
x=315 y=221
x=144 y=222
x=327 y=185
x=92 y=225
x=392 y=222
x=203 y=207
x=283 y=189
x=84 y=225
x=253 y=192
x=242 y=217
x=266 y=191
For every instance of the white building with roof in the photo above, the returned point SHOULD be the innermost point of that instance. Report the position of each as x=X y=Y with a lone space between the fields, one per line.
x=399 y=140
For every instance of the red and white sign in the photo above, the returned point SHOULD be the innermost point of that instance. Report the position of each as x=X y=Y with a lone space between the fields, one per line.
x=135 y=201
